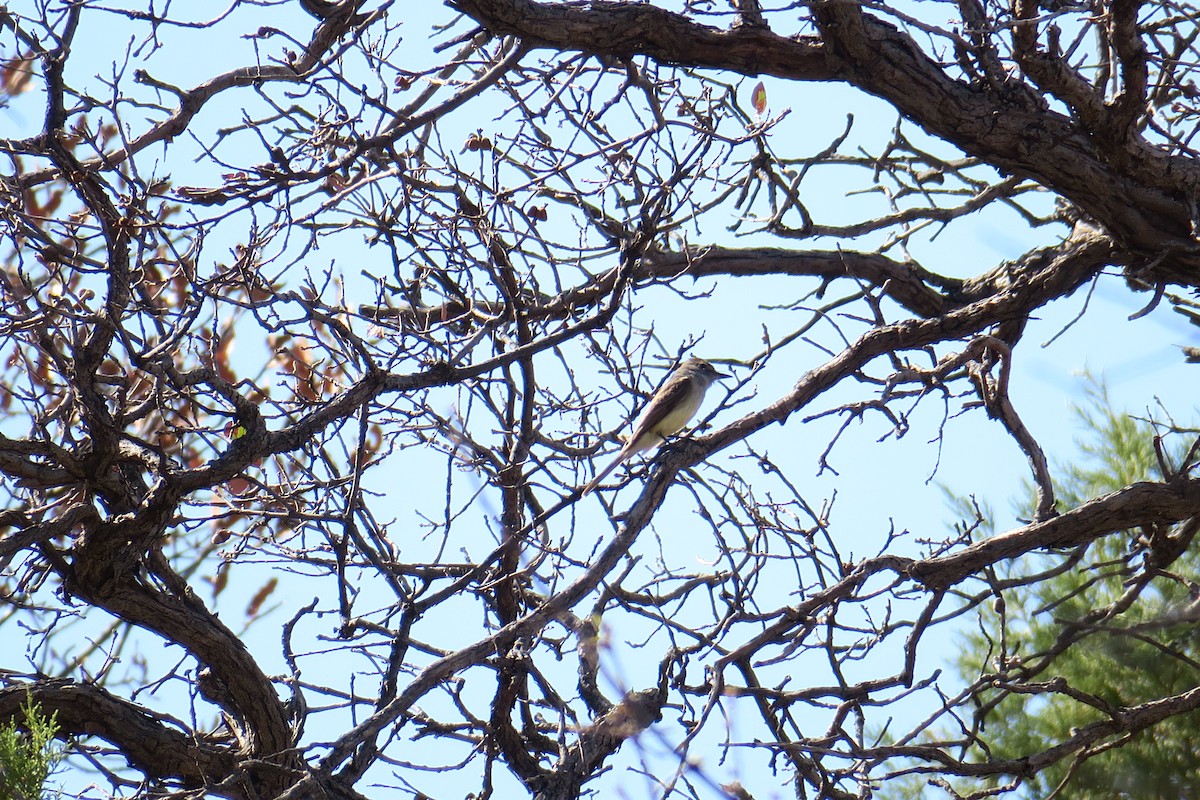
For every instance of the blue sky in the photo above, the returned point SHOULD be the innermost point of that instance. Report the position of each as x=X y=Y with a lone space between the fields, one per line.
x=880 y=484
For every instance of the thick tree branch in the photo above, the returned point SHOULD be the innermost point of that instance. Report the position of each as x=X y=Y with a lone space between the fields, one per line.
x=1144 y=203
x=1137 y=505
x=160 y=746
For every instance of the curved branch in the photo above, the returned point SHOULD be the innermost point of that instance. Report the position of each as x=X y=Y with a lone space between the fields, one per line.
x=1143 y=201
x=1045 y=275
x=153 y=743
x=1136 y=505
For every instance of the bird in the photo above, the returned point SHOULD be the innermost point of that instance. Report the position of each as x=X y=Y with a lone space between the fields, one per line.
x=668 y=411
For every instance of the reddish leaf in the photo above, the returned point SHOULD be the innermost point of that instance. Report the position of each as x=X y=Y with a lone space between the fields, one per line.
x=15 y=74
x=759 y=98
x=260 y=597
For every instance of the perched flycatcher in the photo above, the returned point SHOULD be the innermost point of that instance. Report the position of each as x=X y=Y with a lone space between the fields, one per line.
x=669 y=410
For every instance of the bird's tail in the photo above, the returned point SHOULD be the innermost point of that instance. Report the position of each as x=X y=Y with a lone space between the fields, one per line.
x=602 y=474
